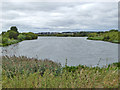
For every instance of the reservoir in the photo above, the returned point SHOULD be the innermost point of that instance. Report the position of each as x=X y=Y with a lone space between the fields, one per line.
x=74 y=50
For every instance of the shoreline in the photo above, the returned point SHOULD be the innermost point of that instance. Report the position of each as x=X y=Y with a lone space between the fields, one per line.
x=101 y=40
x=14 y=43
x=87 y=38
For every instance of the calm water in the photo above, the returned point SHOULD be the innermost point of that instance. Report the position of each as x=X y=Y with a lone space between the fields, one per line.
x=77 y=50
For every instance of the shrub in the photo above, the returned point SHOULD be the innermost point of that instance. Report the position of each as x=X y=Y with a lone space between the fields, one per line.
x=4 y=40
x=21 y=37
x=13 y=34
x=28 y=37
x=12 y=41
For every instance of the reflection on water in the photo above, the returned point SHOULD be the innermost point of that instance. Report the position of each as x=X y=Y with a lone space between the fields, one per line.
x=77 y=50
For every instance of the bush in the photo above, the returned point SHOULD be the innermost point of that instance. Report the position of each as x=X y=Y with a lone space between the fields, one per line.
x=28 y=37
x=13 y=34
x=34 y=36
x=21 y=37
x=110 y=36
x=4 y=40
x=12 y=41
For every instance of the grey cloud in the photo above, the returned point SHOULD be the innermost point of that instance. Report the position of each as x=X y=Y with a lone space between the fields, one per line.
x=32 y=16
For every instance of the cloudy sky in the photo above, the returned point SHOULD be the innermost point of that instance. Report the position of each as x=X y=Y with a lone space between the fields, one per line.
x=59 y=16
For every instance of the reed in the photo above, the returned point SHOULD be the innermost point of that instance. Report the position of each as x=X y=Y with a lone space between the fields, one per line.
x=23 y=72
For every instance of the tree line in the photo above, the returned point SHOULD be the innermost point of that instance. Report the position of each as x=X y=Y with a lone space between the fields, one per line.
x=110 y=36
x=13 y=36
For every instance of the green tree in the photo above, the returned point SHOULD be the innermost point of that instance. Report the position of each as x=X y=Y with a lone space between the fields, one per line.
x=14 y=28
x=13 y=34
x=92 y=35
x=21 y=37
x=28 y=37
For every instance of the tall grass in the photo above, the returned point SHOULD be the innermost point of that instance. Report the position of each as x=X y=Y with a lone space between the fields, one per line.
x=14 y=66
x=23 y=72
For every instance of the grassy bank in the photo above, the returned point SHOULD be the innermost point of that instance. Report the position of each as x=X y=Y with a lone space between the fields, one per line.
x=8 y=41
x=101 y=39
x=23 y=72
x=109 y=36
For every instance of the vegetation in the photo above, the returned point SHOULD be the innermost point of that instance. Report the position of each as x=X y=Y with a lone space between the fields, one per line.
x=23 y=72
x=12 y=36
x=67 y=34
x=110 y=36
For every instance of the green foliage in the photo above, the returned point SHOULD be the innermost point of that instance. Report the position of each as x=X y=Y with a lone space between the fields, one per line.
x=92 y=35
x=14 y=28
x=7 y=41
x=95 y=38
x=28 y=37
x=23 y=72
x=21 y=37
x=113 y=30
x=74 y=34
x=115 y=64
x=12 y=36
x=31 y=35
x=4 y=40
x=19 y=65
x=13 y=32
x=12 y=41
x=110 y=36
x=6 y=34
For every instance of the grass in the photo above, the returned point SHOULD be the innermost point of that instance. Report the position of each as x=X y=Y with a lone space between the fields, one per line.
x=95 y=38
x=23 y=72
x=115 y=41
x=109 y=36
x=102 y=39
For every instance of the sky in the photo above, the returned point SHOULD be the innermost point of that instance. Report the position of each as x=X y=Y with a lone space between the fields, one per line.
x=59 y=16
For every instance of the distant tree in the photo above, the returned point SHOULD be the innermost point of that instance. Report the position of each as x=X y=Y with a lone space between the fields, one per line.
x=32 y=35
x=13 y=34
x=92 y=34
x=28 y=37
x=21 y=37
x=14 y=28
x=113 y=30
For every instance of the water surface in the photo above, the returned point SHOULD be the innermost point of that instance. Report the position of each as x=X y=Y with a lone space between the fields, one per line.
x=77 y=50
